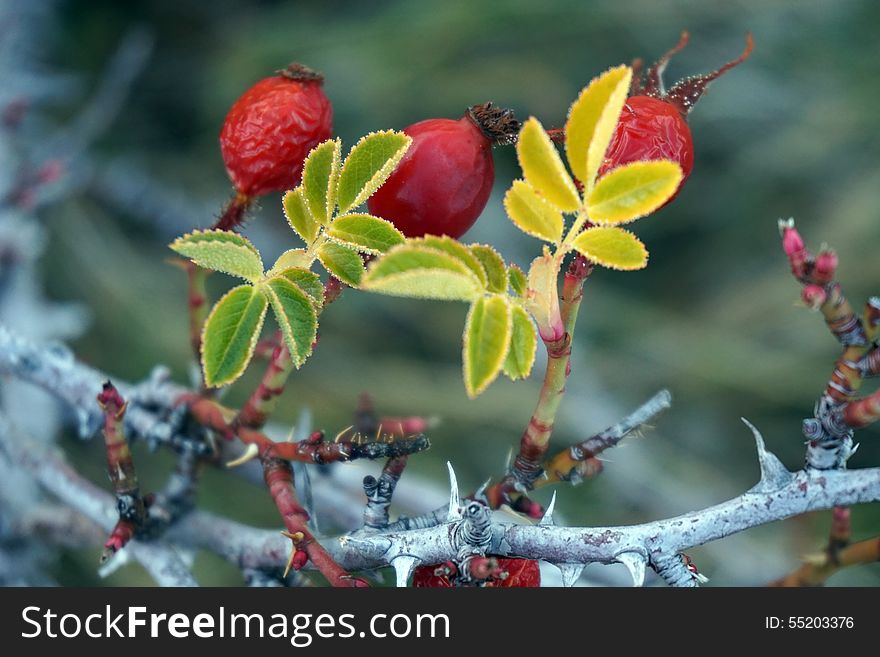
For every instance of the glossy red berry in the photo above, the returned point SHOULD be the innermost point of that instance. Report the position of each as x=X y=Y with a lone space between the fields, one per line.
x=270 y=130
x=442 y=184
x=653 y=122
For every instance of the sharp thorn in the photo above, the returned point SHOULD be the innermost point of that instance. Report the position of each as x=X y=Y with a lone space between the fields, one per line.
x=547 y=518
x=454 y=512
x=403 y=566
x=251 y=452
x=774 y=475
x=571 y=572
x=635 y=563
x=342 y=433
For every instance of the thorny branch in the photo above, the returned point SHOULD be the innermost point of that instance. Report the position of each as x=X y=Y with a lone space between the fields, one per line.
x=467 y=535
x=779 y=494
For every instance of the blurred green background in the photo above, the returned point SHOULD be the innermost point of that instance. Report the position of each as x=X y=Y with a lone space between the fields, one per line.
x=714 y=318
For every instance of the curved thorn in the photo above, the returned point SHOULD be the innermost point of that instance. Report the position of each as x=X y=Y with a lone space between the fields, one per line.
x=635 y=563
x=547 y=518
x=571 y=572
x=251 y=452
x=403 y=566
x=454 y=512
x=774 y=475
x=481 y=491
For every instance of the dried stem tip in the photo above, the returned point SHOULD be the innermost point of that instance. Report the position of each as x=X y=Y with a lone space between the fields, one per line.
x=301 y=73
x=500 y=125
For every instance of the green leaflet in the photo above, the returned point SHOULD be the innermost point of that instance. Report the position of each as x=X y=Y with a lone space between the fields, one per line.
x=298 y=215
x=295 y=312
x=306 y=280
x=415 y=270
x=531 y=213
x=607 y=123
x=612 y=247
x=341 y=261
x=523 y=344
x=291 y=258
x=517 y=279
x=222 y=251
x=487 y=335
x=633 y=190
x=366 y=233
x=230 y=334
x=588 y=121
x=493 y=264
x=320 y=173
x=458 y=251
x=369 y=163
x=543 y=168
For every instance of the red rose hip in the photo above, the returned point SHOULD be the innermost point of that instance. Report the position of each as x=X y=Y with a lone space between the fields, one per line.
x=653 y=123
x=268 y=133
x=442 y=184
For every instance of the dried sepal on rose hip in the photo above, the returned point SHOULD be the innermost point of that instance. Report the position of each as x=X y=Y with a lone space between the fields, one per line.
x=268 y=133
x=653 y=124
x=443 y=182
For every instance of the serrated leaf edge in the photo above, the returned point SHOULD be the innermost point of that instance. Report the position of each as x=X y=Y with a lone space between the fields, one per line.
x=251 y=347
x=475 y=392
x=612 y=266
x=382 y=173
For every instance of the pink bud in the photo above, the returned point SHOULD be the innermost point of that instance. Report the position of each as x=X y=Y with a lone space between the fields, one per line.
x=825 y=267
x=814 y=296
x=796 y=250
x=792 y=242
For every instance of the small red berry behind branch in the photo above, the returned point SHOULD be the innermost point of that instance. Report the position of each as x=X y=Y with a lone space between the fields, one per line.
x=267 y=134
x=442 y=184
x=653 y=124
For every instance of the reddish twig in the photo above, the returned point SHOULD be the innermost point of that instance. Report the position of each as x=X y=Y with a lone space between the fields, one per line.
x=526 y=467
x=838 y=410
x=120 y=466
x=838 y=554
x=279 y=479
x=579 y=461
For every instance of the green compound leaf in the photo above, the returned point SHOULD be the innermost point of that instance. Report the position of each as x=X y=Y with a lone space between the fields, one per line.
x=612 y=247
x=487 y=335
x=366 y=233
x=415 y=270
x=320 y=173
x=230 y=334
x=295 y=312
x=368 y=165
x=291 y=258
x=523 y=345
x=592 y=119
x=343 y=262
x=543 y=168
x=633 y=190
x=493 y=264
x=298 y=215
x=222 y=251
x=531 y=213
x=306 y=280
x=517 y=280
x=458 y=251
